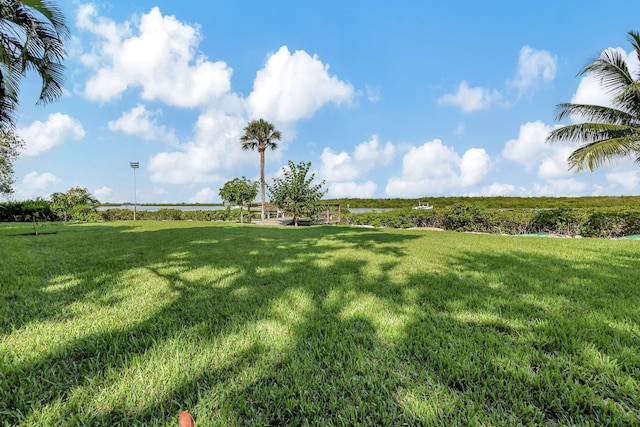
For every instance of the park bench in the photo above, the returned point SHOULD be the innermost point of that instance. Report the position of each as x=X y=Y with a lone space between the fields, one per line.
x=270 y=211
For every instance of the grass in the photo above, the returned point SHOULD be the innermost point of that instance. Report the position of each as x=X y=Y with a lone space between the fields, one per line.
x=127 y=323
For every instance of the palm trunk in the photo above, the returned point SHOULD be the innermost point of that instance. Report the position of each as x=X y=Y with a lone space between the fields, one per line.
x=262 y=178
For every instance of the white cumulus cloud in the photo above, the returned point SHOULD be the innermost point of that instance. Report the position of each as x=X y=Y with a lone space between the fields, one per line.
x=366 y=155
x=205 y=195
x=41 y=137
x=35 y=184
x=215 y=148
x=627 y=179
x=534 y=66
x=474 y=166
x=531 y=150
x=155 y=53
x=143 y=123
x=433 y=168
x=103 y=194
x=341 y=170
x=470 y=99
x=293 y=86
x=338 y=166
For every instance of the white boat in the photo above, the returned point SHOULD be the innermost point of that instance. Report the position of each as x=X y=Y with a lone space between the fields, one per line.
x=422 y=205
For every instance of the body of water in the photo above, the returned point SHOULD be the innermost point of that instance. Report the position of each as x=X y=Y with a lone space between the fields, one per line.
x=365 y=210
x=157 y=208
x=216 y=208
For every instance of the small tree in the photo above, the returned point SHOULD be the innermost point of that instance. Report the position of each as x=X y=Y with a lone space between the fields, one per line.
x=295 y=193
x=76 y=204
x=239 y=191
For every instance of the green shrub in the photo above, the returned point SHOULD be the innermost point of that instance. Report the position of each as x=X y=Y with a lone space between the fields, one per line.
x=116 y=214
x=27 y=210
x=510 y=221
x=165 y=214
x=602 y=222
x=559 y=221
x=198 y=215
x=169 y=214
x=612 y=222
x=466 y=218
x=426 y=218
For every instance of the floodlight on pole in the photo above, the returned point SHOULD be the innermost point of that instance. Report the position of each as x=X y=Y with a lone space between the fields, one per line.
x=134 y=166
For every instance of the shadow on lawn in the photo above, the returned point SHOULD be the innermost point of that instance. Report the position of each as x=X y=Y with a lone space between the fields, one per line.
x=519 y=337
x=336 y=339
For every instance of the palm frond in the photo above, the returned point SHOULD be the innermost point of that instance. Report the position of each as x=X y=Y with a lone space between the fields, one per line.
x=593 y=132
x=248 y=145
x=260 y=134
x=634 y=38
x=595 y=154
x=594 y=113
x=629 y=100
x=612 y=71
x=52 y=13
x=32 y=37
x=609 y=133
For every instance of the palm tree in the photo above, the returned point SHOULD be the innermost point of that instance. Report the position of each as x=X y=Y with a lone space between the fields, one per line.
x=260 y=134
x=32 y=37
x=609 y=132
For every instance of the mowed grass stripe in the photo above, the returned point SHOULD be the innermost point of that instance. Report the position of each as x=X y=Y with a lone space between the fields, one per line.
x=130 y=323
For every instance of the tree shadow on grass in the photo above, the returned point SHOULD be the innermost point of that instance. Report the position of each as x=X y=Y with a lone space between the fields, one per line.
x=99 y=276
x=316 y=326
x=520 y=337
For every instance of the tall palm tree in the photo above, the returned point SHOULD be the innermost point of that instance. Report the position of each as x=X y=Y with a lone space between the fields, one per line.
x=609 y=132
x=32 y=38
x=260 y=135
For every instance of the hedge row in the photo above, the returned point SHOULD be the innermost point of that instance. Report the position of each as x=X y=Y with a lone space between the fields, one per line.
x=30 y=210
x=607 y=222
x=41 y=210
x=169 y=214
x=496 y=202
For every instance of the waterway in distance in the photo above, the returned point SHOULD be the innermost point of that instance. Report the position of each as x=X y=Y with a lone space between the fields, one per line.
x=154 y=208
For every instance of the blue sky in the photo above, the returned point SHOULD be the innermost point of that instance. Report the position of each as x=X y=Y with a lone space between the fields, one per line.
x=405 y=99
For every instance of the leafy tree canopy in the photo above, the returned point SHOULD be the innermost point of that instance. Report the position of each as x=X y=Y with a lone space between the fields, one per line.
x=75 y=204
x=239 y=191
x=295 y=193
x=10 y=143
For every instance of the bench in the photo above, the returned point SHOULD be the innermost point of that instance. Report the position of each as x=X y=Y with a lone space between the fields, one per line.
x=270 y=211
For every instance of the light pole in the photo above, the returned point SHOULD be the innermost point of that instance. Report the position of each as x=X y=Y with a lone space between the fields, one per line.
x=134 y=166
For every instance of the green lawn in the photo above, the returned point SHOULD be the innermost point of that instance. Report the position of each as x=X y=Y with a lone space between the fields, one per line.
x=122 y=324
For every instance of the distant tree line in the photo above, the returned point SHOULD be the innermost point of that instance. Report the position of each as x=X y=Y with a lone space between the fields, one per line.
x=609 y=222
x=493 y=202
